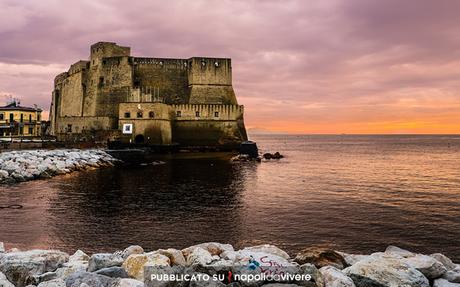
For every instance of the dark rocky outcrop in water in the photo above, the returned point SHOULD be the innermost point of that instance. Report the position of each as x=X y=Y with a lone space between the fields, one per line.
x=133 y=267
x=275 y=155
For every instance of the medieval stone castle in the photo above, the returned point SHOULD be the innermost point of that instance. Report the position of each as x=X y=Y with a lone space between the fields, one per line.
x=156 y=101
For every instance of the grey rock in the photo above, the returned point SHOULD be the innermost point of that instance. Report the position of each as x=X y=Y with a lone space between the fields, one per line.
x=59 y=282
x=4 y=281
x=213 y=248
x=267 y=248
x=199 y=256
x=320 y=257
x=398 y=251
x=2 y=247
x=175 y=256
x=316 y=276
x=90 y=279
x=133 y=249
x=21 y=268
x=103 y=260
x=452 y=276
x=429 y=266
x=334 y=277
x=129 y=283
x=444 y=260
x=114 y=272
x=79 y=256
x=381 y=269
x=45 y=277
x=444 y=283
x=351 y=259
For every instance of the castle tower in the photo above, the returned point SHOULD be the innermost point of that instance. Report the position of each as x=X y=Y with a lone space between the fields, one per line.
x=210 y=81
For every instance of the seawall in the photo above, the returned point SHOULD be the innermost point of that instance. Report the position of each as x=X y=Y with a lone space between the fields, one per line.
x=24 y=165
x=220 y=265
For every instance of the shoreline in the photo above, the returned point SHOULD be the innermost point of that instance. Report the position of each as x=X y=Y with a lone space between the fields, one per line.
x=25 y=165
x=219 y=265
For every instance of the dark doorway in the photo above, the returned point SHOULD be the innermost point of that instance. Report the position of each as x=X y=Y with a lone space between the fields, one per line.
x=139 y=139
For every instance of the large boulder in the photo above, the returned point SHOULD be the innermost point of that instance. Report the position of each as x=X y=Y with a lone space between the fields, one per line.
x=334 y=277
x=267 y=248
x=114 y=272
x=316 y=276
x=452 y=276
x=77 y=262
x=380 y=270
x=135 y=263
x=212 y=247
x=200 y=256
x=243 y=257
x=133 y=249
x=71 y=267
x=351 y=259
x=79 y=256
x=129 y=283
x=103 y=260
x=444 y=260
x=59 y=282
x=444 y=283
x=175 y=256
x=22 y=267
x=320 y=257
x=4 y=281
x=429 y=266
x=77 y=279
x=398 y=251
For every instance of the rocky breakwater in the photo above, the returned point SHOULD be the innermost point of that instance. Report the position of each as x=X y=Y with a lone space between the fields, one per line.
x=205 y=263
x=23 y=165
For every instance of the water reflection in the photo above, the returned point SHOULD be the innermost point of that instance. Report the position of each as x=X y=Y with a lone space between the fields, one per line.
x=354 y=193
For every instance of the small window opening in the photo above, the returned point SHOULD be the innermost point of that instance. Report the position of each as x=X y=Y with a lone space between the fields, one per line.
x=178 y=114
x=197 y=114
x=127 y=115
x=139 y=114
x=151 y=115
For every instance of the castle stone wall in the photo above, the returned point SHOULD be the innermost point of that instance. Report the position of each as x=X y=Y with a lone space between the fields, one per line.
x=72 y=95
x=153 y=123
x=166 y=78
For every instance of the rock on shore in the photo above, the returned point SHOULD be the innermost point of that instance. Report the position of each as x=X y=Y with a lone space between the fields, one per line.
x=131 y=267
x=23 y=165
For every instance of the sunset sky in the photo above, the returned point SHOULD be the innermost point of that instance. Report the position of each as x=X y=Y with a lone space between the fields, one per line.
x=325 y=66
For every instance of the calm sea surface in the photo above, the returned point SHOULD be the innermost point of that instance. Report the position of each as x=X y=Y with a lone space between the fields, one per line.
x=353 y=193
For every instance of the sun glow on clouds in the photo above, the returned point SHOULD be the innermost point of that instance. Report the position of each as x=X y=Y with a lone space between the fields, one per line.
x=333 y=66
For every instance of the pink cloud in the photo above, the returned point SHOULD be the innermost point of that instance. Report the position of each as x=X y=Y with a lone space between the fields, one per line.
x=333 y=65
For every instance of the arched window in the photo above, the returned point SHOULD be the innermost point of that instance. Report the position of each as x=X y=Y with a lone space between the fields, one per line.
x=151 y=115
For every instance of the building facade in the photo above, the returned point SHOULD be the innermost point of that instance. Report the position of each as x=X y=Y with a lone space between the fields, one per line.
x=158 y=101
x=19 y=121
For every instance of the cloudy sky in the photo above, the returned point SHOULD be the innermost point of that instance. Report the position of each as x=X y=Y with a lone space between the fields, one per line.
x=324 y=66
